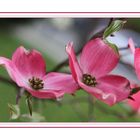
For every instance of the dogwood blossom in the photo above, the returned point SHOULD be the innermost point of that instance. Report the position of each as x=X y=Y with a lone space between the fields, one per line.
x=28 y=70
x=91 y=73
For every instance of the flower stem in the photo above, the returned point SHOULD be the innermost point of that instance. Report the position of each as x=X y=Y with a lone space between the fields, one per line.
x=19 y=95
x=29 y=103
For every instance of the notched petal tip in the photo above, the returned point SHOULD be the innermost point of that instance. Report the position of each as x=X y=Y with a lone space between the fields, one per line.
x=73 y=62
x=22 y=49
x=59 y=98
x=29 y=62
x=69 y=46
x=109 y=99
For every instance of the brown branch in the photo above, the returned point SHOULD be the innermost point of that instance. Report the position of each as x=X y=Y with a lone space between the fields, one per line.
x=124 y=48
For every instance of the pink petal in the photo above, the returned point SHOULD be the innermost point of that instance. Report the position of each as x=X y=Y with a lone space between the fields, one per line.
x=55 y=86
x=46 y=94
x=131 y=45
x=99 y=94
x=137 y=61
x=60 y=81
x=110 y=89
x=29 y=63
x=117 y=86
x=74 y=65
x=135 y=105
x=13 y=72
x=98 y=58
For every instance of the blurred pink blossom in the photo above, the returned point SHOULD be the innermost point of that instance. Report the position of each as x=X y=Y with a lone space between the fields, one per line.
x=135 y=104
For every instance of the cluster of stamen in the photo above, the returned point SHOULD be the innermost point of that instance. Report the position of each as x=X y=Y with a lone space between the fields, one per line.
x=89 y=80
x=36 y=83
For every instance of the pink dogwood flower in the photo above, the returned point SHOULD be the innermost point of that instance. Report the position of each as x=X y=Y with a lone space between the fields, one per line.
x=136 y=53
x=135 y=104
x=28 y=70
x=91 y=73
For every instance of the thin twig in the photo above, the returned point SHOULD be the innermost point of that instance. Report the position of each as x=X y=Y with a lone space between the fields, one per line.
x=19 y=95
x=124 y=48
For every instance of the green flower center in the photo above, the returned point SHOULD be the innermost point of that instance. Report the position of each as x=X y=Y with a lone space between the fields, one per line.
x=36 y=83
x=89 y=80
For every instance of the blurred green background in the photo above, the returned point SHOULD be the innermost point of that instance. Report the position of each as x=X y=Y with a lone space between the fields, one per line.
x=78 y=108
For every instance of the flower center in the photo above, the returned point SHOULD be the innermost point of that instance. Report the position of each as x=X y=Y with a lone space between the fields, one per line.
x=36 y=83
x=89 y=80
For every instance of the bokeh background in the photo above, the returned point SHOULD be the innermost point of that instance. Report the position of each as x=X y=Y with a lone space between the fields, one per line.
x=49 y=36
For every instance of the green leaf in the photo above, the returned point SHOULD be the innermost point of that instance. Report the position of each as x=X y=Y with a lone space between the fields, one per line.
x=114 y=26
x=113 y=46
x=14 y=111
